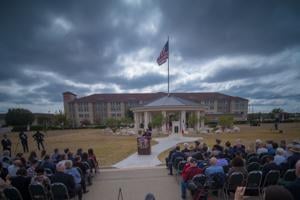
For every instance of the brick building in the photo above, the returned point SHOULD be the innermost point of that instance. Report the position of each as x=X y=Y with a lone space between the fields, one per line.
x=96 y=108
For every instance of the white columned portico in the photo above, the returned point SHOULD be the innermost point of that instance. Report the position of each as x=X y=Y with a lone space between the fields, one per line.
x=136 y=121
x=202 y=120
x=146 y=120
x=163 y=128
x=198 y=123
x=182 y=121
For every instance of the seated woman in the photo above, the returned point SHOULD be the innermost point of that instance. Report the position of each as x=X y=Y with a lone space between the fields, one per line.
x=238 y=165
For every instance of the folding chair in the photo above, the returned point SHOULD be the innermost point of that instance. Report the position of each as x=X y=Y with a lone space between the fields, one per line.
x=255 y=166
x=288 y=177
x=12 y=193
x=37 y=192
x=235 y=180
x=253 y=159
x=48 y=171
x=271 y=178
x=59 y=191
x=253 y=183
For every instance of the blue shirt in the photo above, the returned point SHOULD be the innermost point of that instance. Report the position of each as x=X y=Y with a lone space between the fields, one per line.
x=278 y=159
x=75 y=173
x=213 y=169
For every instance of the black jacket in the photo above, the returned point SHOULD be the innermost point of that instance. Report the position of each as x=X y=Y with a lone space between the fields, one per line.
x=68 y=180
x=22 y=184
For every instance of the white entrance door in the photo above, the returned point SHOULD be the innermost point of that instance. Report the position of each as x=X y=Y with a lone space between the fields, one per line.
x=175 y=127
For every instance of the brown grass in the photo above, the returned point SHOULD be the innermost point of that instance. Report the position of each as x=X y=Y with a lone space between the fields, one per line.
x=248 y=135
x=109 y=149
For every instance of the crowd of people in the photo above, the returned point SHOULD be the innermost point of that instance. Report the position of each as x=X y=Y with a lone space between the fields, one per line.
x=74 y=170
x=218 y=163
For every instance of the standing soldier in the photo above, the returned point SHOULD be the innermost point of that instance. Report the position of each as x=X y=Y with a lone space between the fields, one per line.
x=24 y=141
x=39 y=138
x=6 y=144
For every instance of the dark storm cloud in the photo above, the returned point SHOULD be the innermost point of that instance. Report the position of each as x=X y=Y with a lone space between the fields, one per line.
x=212 y=28
x=81 y=41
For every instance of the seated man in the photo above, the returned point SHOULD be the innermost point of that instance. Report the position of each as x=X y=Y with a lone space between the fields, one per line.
x=213 y=168
x=76 y=175
x=21 y=181
x=270 y=165
x=175 y=155
x=188 y=174
x=294 y=187
x=61 y=177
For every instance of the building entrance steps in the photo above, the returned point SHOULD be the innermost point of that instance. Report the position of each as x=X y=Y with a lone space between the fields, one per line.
x=140 y=161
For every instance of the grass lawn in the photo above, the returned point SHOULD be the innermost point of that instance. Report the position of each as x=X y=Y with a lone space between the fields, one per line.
x=248 y=135
x=109 y=149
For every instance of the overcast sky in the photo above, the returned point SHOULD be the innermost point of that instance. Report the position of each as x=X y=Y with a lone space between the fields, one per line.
x=249 y=49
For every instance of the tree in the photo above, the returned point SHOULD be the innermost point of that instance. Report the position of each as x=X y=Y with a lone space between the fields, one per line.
x=192 y=120
x=158 y=120
x=60 y=119
x=112 y=123
x=276 y=115
x=129 y=114
x=226 y=121
x=19 y=117
x=126 y=121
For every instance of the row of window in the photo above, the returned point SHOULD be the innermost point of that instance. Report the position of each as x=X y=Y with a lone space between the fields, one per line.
x=84 y=115
x=83 y=107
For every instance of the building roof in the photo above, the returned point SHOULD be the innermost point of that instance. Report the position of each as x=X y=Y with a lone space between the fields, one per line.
x=170 y=101
x=148 y=97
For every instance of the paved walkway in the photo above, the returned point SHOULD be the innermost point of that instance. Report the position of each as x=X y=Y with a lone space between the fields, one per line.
x=135 y=184
x=137 y=161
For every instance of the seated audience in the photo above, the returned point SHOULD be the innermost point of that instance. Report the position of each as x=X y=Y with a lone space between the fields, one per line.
x=13 y=168
x=228 y=150
x=213 y=168
x=76 y=175
x=47 y=163
x=279 y=158
x=175 y=155
x=41 y=178
x=55 y=155
x=21 y=182
x=239 y=148
x=31 y=169
x=217 y=146
x=3 y=171
x=197 y=146
x=78 y=163
x=61 y=177
x=261 y=149
x=295 y=156
x=238 y=165
x=188 y=174
x=32 y=156
x=274 y=192
x=269 y=165
x=294 y=187
x=185 y=148
x=93 y=159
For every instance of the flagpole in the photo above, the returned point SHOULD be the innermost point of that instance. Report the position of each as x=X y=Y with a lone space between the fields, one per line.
x=168 y=68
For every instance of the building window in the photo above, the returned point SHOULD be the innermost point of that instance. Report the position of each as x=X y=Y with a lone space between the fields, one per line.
x=115 y=106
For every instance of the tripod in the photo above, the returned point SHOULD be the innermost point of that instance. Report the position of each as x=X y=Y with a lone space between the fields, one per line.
x=16 y=148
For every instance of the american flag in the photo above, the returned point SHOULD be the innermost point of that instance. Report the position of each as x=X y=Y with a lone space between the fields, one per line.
x=164 y=54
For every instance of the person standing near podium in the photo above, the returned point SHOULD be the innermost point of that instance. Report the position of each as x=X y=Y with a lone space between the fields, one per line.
x=24 y=141
x=39 y=138
x=6 y=144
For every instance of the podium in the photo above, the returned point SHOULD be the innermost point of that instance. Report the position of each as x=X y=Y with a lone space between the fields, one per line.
x=144 y=145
